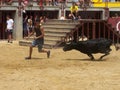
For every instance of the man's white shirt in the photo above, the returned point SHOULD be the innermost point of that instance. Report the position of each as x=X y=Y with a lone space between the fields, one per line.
x=10 y=24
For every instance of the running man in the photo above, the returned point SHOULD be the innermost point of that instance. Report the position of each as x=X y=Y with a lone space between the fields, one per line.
x=38 y=40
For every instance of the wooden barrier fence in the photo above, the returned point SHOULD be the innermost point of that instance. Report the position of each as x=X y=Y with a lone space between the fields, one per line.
x=92 y=29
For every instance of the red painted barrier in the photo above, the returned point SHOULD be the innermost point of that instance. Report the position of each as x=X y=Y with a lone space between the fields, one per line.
x=115 y=22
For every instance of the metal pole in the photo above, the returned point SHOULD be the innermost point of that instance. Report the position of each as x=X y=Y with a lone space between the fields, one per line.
x=94 y=30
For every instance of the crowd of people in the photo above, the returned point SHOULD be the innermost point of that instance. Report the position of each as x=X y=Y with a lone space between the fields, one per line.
x=29 y=22
x=9 y=2
x=24 y=3
x=81 y=3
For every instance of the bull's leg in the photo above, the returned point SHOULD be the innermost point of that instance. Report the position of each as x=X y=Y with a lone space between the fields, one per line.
x=91 y=56
x=104 y=55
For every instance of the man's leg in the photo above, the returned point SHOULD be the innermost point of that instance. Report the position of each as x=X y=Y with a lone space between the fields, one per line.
x=30 y=52
x=45 y=51
x=9 y=33
x=10 y=38
x=41 y=50
x=73 y=15
x=31 y=49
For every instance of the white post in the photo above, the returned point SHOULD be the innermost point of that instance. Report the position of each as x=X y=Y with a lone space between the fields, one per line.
x=18 y=26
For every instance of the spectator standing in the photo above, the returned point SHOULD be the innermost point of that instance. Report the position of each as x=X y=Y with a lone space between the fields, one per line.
x=9 y=28
x=9 y=2
x=25 y=28
x=63 y=3
x=38 y=40
x=50 y=2
x=30 y=24
x=41 y=20
x=24 y=3
x=75 y=1
x=56 y=2
x=35 y=19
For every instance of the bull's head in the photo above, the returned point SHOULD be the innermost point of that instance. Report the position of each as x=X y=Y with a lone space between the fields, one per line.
x=68 y=47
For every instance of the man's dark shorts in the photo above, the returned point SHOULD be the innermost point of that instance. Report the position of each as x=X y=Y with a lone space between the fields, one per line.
x=38 y=43
x=9 y=31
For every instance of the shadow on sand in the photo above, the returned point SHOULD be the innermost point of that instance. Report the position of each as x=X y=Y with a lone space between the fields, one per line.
x=85 y=59
x=34 y=58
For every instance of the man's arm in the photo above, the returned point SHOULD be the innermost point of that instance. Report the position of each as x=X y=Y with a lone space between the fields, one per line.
x=30 y=34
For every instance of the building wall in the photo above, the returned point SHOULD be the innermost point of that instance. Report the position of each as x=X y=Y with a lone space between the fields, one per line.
x=18 y=19
x=106 y=3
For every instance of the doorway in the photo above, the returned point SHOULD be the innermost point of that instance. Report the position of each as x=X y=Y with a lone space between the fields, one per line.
x=3 y=15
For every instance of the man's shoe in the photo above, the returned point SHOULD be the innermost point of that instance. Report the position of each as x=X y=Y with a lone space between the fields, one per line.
x=10 y=42
x=48 y=54
x=27 y=58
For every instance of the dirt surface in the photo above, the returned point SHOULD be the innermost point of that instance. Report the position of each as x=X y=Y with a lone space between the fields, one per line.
x=62 y=71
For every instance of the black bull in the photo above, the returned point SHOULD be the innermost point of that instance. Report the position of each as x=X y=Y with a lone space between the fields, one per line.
x=90 y=47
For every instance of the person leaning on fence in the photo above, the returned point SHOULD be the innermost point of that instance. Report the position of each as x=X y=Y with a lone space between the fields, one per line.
x=38 y=40
x=117 y=27
x=74 y=10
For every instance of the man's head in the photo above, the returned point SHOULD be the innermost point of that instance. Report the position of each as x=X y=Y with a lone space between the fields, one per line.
x=8 y=17
x=73 y=4
x=37 y=23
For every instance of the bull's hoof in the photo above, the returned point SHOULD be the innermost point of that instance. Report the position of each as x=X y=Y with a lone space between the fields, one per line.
x=100 y=59
x=92 y=59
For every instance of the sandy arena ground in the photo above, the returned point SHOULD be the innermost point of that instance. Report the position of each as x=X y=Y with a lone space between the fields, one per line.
x=63 y=71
